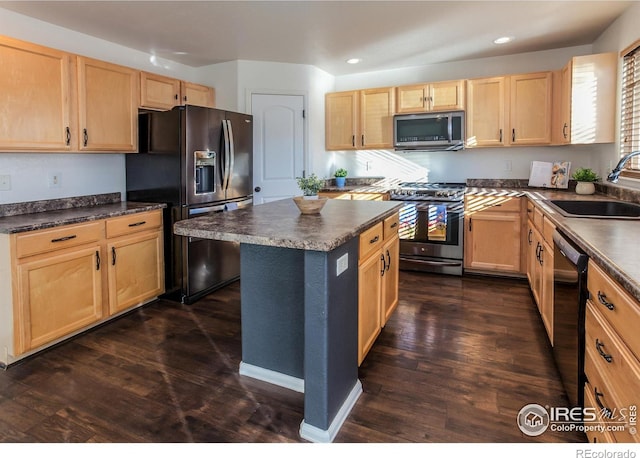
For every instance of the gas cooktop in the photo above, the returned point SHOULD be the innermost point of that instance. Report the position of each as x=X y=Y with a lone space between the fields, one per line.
x=427 y=191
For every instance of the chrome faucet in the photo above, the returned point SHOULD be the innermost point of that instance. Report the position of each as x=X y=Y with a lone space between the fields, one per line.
x=615 y=173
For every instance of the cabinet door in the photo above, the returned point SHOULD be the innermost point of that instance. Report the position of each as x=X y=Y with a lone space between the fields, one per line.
x=564 y=123
x=412 y=99
x=486 y=112
x=447 y=95
x=376 y=118
x=592 y=98
x=136 y=271
x=58 y=293
x=546 y=272
x=197 y=94
x=492 y=241
x=341 y=120
x=158 y=91
x=530 y=109
x=369 y=294
x=35 y=97
x=107 y=105
x=391 y=253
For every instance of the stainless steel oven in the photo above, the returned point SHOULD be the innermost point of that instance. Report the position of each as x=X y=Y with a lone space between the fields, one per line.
x=431 y=226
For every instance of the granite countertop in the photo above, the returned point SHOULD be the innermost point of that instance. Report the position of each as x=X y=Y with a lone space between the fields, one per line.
x=280 y=224
x=611 y=243
x=44 y=214
x=362 y=185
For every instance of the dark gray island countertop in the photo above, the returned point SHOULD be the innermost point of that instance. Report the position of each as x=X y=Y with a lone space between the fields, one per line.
x=280 y=224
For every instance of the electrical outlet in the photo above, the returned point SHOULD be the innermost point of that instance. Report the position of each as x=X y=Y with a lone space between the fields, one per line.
x=55 y=179
x=5 y=182
x=507 y=165
x=342 y=264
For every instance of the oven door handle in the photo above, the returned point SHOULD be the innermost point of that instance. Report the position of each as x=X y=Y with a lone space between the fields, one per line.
x=431 y=263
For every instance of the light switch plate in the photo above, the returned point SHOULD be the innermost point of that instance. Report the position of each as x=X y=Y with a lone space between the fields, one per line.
x=5 y=182
x=342 y=264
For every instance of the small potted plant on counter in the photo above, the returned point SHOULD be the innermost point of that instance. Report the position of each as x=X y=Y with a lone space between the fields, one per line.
x=585 y=178
x=341 y=176
x=310 y=203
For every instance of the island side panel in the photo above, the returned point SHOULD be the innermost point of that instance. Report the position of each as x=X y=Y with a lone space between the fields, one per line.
x=272 y=308
x=331 y=333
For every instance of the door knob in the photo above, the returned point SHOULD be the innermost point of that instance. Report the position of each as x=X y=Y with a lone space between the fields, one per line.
x=257 y=189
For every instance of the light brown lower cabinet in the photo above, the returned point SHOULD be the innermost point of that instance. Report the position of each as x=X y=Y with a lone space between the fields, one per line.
x=492 y=234
x=69 y=278
x=57 y=293
x=378 y=274
x=135 y=251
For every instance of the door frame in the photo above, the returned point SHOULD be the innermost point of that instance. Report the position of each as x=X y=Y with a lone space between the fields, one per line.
x=306 y=159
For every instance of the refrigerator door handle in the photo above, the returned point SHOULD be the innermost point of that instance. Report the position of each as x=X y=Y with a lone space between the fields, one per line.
x=232 y=154
x=225 y=157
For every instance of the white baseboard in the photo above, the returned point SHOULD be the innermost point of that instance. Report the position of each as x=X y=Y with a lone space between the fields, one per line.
x=276 y=378
x=315 y=434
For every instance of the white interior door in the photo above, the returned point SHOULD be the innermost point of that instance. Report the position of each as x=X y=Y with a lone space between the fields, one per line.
x=278 y=145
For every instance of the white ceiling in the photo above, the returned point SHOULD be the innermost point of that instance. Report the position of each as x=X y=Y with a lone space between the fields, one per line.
x=384 y=34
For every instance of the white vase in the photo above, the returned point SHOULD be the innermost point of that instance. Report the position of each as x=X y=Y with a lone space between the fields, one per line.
x=585 y=187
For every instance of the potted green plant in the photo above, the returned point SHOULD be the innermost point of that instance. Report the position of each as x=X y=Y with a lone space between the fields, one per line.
x=340 y=176
x=585 y=178
x=309 y=203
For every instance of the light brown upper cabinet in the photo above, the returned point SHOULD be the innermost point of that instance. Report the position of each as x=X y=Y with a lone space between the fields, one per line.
x=35 y=98
x=359 y=119
x=440 y=96
x=107 y=106
x=197 y=94
x=163 y=93
x=530 y=108
x=509 y=110
x=486 y=111
x=584 y=109
x=159 y=92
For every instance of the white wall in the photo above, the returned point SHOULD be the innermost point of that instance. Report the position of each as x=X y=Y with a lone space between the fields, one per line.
x=82 y=174
x=469 y=163
x=621 y=34
x=272 y=77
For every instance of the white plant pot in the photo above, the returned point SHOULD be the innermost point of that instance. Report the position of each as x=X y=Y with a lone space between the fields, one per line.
x=310 y=197
x=585 y=187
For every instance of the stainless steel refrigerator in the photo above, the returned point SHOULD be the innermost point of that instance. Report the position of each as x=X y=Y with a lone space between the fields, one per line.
x=198 y=161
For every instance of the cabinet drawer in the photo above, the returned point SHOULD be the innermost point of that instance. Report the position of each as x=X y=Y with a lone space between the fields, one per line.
x=547 y=229
x=595 y=436
x=122 y=225
x=537 y=218
x=620 y=310
x=391 y=225
x=370 y=241
x=530 y=208
x=610 y=405
x=45 y=240
x=491 y=203
x=612 y=356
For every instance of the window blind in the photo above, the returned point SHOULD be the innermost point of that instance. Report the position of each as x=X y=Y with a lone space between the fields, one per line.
x=630 y=105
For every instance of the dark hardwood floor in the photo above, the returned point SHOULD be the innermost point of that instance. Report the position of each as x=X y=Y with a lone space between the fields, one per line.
x=455 y=363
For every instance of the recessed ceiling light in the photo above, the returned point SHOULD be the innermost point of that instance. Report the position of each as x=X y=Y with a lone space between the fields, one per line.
x=353 y=60
x=503 y=40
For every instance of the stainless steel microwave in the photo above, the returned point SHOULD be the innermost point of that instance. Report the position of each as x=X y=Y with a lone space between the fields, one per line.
x=429 y=131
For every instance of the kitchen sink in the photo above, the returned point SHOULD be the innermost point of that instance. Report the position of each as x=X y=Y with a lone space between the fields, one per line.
x=596 y=209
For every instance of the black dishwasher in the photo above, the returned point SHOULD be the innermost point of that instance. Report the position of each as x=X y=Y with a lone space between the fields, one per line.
x=569 y=302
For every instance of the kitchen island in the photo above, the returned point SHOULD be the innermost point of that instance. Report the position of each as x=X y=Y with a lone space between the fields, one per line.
x=299 y=299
